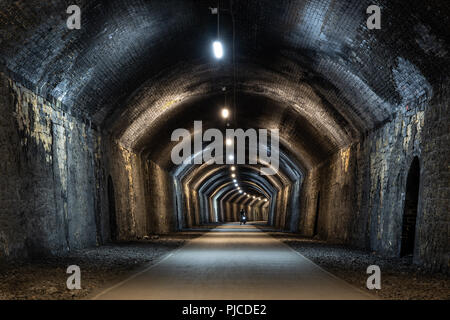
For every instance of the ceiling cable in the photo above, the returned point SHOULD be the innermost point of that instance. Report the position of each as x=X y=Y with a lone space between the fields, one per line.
x=234 y=63
x=218 y=20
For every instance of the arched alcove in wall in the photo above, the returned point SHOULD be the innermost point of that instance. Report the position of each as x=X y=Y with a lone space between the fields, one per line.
x=410 y=209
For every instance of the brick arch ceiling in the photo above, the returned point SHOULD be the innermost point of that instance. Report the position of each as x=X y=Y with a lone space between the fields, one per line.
x=136 y=60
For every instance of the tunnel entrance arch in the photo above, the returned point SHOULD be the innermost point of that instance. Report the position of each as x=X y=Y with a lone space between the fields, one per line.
x=410 y=209
x=112 y=210
x=316 y=220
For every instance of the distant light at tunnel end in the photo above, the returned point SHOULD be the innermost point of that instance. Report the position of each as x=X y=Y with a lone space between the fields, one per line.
x=218 y=49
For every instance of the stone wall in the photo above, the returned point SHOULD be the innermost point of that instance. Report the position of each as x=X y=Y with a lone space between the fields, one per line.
x=435 y=205
x=160 y=199
x=384 y=160
x=362 y=187
x=334 y=180
x=48 y=176
x=125 y=169
x=144 y=193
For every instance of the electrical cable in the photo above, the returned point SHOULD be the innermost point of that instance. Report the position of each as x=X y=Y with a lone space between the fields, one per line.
x=234 y=63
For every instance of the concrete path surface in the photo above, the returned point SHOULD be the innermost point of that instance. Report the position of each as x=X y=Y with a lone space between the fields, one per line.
x=233 y=262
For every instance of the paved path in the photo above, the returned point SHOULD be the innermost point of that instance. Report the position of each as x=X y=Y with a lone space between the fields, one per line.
x=233 y=262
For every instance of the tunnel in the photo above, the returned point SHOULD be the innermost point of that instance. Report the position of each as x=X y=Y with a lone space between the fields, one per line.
x=319 y=127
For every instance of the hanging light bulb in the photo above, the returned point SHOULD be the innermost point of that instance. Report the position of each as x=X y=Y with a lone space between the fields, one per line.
x=225 y=115
x=218 y=49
